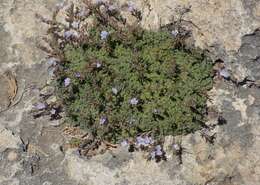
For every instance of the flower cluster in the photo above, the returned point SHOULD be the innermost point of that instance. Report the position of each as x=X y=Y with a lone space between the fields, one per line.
x=104 y=35
x=157 y=152
x=144 y=141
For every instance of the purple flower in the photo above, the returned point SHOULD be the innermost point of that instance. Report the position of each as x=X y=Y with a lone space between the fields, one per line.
x=175 y=32
x=78 y=152
x=114 y=90
x=134 y=101
x=158 y=147
x=53 y=111
x=131 y=6
x=77 y=74
x=153 y=154
x=143 y=141
x=224 y=73
x=139 y=141
x=83 y=13
x=158 y=150
x=52 y=61
x=156 y=111
x=99 y=1
x=148 y=140
x=176 y=146
x=112 y=8
x=68 y=34
x=41 y=106
x=67 y=82
x=75 y=24
x=71 y=34
x=103 y=120
x=124 y=143
x=104 y=35
x=98 y=65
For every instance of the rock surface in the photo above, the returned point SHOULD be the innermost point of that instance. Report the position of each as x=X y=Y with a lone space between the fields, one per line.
x=8 y=140
x=30 y=152
x=218 y=26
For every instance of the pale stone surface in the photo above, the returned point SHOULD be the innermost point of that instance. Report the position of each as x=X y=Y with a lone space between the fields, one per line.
x=8 y=140
x=105 y=170
x=228 y=29
x=4 y=100
x=217 y=26
x=215 y=22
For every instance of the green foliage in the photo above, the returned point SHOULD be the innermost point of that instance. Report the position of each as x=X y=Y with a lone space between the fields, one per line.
x=168 y=83
x=119 y=81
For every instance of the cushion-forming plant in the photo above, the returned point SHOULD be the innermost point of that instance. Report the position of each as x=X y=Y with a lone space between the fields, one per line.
x=119 y=81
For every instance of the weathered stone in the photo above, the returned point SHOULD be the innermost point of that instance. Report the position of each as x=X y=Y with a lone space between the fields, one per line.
x=218 y=26
x=249 y=56
x=133 y=171
x=213 y=23
x=4 y=100
x=227 y=29
x=8 y=140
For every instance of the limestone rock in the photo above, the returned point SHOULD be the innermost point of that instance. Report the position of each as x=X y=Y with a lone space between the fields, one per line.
x=227 y=29
x=116 y=168
x=218 y=26
x=8 y=140
x=4 y=100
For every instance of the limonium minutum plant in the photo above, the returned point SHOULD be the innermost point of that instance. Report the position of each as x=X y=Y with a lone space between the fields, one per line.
x=125 y=84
